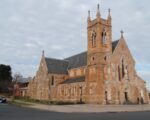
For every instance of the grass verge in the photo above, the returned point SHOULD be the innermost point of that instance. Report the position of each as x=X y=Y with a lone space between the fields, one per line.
x=19 y=102
x=45 y=102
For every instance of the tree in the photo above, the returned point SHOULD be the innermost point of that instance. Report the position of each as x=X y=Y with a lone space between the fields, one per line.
x=5 y=77
x=17 y=77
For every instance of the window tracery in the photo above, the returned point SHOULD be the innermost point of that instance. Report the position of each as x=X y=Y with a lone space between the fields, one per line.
x=93 y=38
x=104 y=36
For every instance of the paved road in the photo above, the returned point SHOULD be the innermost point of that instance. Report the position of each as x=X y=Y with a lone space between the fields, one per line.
x=9 y=112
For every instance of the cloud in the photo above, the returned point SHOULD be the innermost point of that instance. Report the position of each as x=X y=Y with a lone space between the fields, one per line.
x=59 y=28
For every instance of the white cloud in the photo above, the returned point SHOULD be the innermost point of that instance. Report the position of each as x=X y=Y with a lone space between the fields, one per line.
x=59 y=27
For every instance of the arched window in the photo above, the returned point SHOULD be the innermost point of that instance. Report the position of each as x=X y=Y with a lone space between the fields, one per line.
x=126 y=73
x=123 y=73
x=52 y=83
x=93 y=38
x=119 y=76
x=105 y=58
x=104 y=36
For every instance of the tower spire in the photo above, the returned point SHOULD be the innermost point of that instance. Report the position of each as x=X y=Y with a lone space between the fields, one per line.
x=98 y=11
x=109 y=13
x=89 y=17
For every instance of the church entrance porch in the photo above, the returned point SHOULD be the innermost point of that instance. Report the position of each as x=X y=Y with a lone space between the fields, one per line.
x=106 y=98
x=126 y=98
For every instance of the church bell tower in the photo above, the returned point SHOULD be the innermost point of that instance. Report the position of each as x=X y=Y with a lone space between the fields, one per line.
x=99 y=35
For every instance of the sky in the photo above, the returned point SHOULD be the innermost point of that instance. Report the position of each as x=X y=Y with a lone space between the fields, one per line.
x=59 y=27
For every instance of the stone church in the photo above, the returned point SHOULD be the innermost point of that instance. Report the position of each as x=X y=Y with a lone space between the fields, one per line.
x=104 y=74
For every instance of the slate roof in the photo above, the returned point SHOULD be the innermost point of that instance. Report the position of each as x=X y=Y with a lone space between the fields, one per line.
x=74 y=80
x=57 y=66
x=114 y=44
x=62 y=66
x=77 y=60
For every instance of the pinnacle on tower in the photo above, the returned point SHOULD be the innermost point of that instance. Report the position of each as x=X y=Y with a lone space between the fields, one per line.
x=98 y=12
x=89 y=17
x=109 y=13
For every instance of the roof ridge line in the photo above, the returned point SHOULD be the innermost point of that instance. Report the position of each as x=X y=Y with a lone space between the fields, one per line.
x=74 y=55
x=56 y=59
